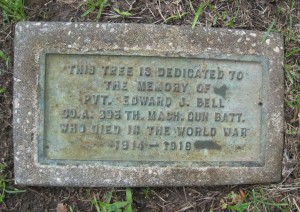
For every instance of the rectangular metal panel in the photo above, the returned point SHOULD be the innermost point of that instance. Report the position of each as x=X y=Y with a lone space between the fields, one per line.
x=130 y=108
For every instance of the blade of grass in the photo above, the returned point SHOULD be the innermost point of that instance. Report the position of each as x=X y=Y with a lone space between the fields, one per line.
x=120 y=204
x=215 y=20
x=268 y=32
x=291 y=53
x=198 y=13
x=14 y=191
x=71 y=209
x=254 y=201
x=212 y=8
x=96 y=204
x=108 y=197
x=4 y=58
x=174 y=17
x=101 y=8
x=88 y=11
x=276 y=204
x=128 y=195
x=240 y=207
x=122 y=13
x=191 y=6
x=129 y=200
x=291 y=23
x=289 y=76
x=2 y=195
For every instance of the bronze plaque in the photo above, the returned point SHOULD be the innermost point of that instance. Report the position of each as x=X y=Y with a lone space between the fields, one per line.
x=108 y=107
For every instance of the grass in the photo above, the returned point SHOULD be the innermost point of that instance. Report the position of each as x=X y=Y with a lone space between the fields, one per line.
x=174 y=17
x=259 y=202
x=254 y=200
x=225 y=18
x=12 y=10
x=198 y=13
x=147 y=192
x=267 y=33
x=2 y=90
x=291 y=68
x=95 y=5
x=230 y=23
x=5 y=187
x=5 y=59
x=124 y=14
x=107 y=206
x=292 y=52
x=71 y=209
x=293 y=86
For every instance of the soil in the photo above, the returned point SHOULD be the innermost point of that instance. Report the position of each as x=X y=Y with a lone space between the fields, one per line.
x=254 y=15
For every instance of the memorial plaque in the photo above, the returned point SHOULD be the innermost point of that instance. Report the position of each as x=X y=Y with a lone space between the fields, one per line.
x=144 y=105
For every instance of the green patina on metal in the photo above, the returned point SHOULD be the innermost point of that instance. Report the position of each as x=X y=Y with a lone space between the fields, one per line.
x=123 y=109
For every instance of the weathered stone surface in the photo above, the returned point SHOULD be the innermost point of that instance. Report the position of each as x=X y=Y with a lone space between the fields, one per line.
x=146 y=105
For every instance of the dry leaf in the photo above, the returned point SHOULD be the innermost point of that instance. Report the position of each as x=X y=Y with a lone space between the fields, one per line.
x=61 y=207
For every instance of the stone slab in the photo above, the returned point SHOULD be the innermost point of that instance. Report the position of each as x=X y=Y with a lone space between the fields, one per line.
x=146 y=105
